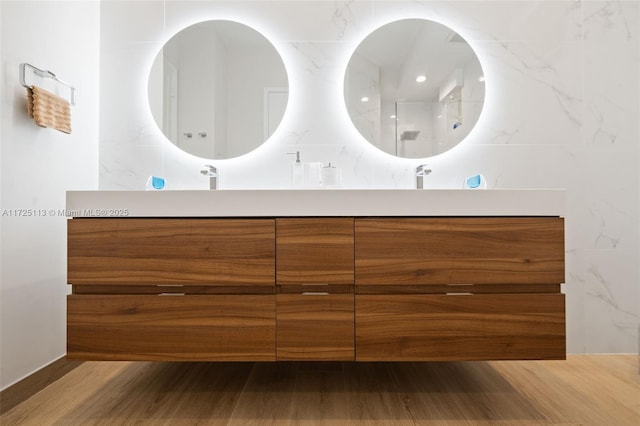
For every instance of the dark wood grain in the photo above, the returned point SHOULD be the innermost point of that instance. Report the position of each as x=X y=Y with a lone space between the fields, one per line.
x=301 y=288
x=487 y=250
x=314 y=250
x=315 y=327
x=175 y=328
x=171 y=288
x=453 y=288
x=421 y=327
x=161 y=251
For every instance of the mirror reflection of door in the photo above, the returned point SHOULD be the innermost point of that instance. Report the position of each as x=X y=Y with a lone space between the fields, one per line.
x=170 y=105
x=275 y=104
x=207 y=89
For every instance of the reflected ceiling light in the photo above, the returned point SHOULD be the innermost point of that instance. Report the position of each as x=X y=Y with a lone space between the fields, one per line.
x=364 y=99
x=421 y=78
x=481 y=79
x=392 y=116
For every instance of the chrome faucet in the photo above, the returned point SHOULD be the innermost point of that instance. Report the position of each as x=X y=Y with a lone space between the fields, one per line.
x=421 y=172
x=212 y=173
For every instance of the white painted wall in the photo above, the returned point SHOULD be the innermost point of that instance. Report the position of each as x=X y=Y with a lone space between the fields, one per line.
x=562 y=84
x=37 y=167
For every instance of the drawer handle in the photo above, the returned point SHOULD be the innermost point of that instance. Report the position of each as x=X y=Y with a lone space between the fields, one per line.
x=172 y=294
x=315 y=293
x=460 y=294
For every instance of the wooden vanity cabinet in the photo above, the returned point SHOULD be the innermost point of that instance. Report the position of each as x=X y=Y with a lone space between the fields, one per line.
x=317 y=250
x=459 y=250
x=315 y=326
x=316 y=288
x=140 y=251
x=171 y=327
x=314 y=277
x=459 y=288
x=461 y=327
x=171 y=289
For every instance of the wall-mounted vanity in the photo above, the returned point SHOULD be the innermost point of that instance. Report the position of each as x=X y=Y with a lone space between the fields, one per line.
x=364 y=275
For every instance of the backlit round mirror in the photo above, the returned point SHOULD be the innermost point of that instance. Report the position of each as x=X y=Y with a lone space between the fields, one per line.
x=414 y=88
x=218 y=89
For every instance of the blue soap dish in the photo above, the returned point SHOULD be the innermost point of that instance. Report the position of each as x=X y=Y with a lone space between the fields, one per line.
x=475 y=182
x=155 y=183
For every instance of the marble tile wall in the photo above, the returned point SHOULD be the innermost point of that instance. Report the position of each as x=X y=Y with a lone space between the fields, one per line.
x=561 y=111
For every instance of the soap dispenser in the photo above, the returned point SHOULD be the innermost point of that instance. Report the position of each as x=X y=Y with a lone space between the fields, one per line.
x=297 y=171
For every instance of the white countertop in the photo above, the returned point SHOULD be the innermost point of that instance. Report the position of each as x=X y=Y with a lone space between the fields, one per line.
x=329 y=202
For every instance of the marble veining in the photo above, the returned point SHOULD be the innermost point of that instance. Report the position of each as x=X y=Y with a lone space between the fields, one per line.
x=342 y=17
x=561 y=112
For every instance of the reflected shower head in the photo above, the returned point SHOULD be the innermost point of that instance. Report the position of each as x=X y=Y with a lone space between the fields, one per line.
x=409 y=135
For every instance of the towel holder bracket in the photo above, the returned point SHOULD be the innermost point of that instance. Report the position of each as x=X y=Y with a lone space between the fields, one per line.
x=44 y=74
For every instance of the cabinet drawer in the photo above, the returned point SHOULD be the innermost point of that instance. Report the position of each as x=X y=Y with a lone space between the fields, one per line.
x=314 y=251
x=171 y=328
x=315 y=326
x=475 y=327
x=164 y=251
x=485 y=250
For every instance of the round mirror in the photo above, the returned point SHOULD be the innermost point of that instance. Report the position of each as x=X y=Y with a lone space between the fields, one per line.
x=218 y=89
x=414 y=88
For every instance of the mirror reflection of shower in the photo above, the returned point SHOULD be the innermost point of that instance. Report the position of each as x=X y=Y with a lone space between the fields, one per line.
x=413 y=130
x=414 y=88
x=426 y=128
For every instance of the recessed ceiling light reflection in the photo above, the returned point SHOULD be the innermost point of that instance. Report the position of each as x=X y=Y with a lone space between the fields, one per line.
x=421 y=78
x=364 y=99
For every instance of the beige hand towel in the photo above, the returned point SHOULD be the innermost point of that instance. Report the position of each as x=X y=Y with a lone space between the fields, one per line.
x=49 y=110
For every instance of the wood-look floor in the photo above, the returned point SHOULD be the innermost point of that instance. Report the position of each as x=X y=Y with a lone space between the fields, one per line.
x=583 y=390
